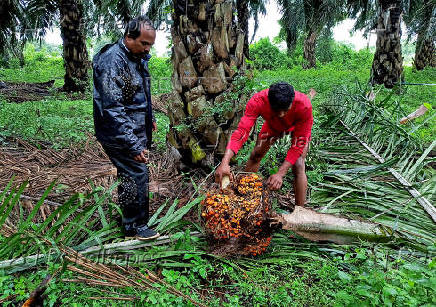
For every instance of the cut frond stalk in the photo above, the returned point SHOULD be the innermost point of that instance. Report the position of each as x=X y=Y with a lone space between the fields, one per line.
x=428 y=207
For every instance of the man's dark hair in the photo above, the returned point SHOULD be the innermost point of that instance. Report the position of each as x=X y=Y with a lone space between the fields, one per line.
x=133 y=28
x=280 y=96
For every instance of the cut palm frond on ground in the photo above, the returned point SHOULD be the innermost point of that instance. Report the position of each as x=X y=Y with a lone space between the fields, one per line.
x=66 y=231
x=98 y=274
x=76 y=169
x=84 y=223
x=419 y=198
x=105 y=250
x=81 y=222
x=355 y=185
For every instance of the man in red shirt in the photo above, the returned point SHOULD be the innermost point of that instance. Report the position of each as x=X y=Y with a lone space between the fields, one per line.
x=284 y=111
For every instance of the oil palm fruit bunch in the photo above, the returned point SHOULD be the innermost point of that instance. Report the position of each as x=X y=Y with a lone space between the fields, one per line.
x=236 y=218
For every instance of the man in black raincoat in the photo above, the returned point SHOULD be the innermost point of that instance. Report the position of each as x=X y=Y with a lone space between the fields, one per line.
x=124 y=120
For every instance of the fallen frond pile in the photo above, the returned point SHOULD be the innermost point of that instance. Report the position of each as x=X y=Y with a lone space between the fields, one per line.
x=72 y=168
x=97 y=274
x=75 y=169
x=358 y=185
x=23 y=91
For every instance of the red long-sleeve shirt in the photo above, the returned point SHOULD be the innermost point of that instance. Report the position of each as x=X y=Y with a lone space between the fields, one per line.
x=298 y=119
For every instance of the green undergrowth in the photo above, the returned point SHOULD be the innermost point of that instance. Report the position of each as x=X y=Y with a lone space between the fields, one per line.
x=42 y=64
x=411 y=97
x=61 y=122
x=75 y=116
x=293 y=272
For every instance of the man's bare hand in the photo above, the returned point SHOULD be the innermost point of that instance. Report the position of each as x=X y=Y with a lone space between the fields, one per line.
x=142 y=157
x=154 y=127
x=221 y=171
x=275 y=182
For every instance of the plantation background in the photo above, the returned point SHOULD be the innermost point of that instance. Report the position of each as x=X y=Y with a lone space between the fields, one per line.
x=294 y=271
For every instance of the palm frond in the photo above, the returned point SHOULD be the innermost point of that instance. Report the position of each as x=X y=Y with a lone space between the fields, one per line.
x=78 y=222
x=158 y=11
x=124 y=10
x=256 y=8
x=84 y=223
x=171 y=219
x=110 y=17
x=41 y=15
x=365 y=14
x=98 y=274
x=12 y=12
x=374 y=194
x=420 y=18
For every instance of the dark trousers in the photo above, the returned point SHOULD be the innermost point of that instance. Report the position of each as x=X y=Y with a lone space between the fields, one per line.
x=133 y=187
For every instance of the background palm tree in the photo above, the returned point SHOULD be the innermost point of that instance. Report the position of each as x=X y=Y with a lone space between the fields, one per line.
x=291 y=24
x=69 y=14
x=385 y=17
x=74 y=45
x=309 y=18
x=420 y=19
x=12 y=11
x=387 y=67
x=76 y=19
x=256 y=8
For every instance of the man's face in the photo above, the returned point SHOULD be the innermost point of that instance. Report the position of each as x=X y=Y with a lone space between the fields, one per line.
x=280 y=113
x=141 y=46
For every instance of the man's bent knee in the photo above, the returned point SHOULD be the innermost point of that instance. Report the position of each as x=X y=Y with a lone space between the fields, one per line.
x=261 y=148
x=256 y=155
x=299 y=167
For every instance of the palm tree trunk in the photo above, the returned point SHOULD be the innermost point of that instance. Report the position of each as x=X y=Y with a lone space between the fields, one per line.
x=291 y=41
x=313 y=26
x=74 y=46
x=425 y=43
x=425 y=53
x=208 y=52
x=387 y=66
x=309 y=50
x=22 y=45
x=243 y=16
x=289 y=26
